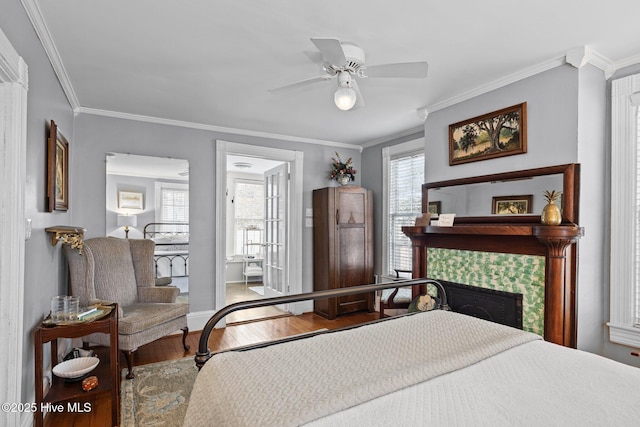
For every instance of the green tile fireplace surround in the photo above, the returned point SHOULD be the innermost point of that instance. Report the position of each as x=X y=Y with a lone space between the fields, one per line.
x=514 y=273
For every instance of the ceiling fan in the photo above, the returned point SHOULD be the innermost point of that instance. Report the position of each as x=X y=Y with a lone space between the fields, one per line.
x=346 y=61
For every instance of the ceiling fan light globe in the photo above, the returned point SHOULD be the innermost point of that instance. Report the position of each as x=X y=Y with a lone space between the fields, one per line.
x=345 y=98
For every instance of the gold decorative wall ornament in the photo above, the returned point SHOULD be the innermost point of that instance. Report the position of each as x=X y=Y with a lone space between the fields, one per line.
x=72 y=236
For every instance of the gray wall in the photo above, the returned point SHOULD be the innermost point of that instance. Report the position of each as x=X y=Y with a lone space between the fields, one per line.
x=45 y=274
x=567 y=119
x=552 y=120
x=97 y=135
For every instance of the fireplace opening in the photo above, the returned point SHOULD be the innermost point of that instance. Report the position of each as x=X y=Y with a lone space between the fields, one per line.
x=489 y=304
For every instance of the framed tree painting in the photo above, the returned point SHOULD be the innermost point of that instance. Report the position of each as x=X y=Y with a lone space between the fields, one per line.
x=57 y=170
x=497 y=134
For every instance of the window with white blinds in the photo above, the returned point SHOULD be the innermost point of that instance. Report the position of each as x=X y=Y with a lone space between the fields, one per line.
x=624 y=270
x=248 y=202
x=406 y=176
x=174 y=204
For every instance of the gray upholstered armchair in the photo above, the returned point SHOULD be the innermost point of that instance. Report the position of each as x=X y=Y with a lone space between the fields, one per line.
x=122 y=271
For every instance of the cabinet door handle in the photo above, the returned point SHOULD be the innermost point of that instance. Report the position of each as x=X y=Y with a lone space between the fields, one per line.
x=337 y=216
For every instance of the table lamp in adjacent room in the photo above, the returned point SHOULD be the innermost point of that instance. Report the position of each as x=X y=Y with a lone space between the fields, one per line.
x=127 y=221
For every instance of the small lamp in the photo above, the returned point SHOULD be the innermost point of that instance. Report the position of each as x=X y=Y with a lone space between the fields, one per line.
x=127 y=221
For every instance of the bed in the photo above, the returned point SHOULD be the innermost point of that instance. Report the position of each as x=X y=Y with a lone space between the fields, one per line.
x=172 y=248
x=431 y=368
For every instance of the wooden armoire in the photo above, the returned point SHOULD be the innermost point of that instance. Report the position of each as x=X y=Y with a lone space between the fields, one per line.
x=342 y=247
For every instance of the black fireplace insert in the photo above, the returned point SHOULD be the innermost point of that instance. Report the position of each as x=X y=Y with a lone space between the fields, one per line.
x=489 y=304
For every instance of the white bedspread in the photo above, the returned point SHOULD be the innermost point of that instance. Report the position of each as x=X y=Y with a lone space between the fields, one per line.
x=306 y=380
x=535 y=384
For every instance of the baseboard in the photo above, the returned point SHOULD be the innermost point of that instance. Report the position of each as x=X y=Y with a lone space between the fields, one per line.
x=197 y=320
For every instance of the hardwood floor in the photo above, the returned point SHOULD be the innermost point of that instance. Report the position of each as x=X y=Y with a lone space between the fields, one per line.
x=237 y=292
x=170 y=348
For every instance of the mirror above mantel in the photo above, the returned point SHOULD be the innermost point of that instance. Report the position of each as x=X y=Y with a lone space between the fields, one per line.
x=473 y=199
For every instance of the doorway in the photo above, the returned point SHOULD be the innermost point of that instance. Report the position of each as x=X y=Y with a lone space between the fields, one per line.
x=262 y=240
x=256 y=241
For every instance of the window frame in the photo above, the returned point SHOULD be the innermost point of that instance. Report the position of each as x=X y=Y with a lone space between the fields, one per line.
x=623 y=277
x=413 y=147
x=235 y=230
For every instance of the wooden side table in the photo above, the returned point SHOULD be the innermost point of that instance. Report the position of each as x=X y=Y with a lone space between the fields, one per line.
x=107 y=370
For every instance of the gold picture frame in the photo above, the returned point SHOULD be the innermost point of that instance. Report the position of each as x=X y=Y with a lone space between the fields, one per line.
x=497 y=134
x=57 y=170
x=512 y=205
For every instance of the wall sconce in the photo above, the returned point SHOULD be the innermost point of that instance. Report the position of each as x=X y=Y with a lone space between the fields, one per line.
x=127 y=221
x=73 y=236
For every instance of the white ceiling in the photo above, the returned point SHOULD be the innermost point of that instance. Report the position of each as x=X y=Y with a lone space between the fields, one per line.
x=209 y=63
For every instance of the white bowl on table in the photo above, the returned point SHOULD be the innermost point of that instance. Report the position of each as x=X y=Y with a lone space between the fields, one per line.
x=75 y=368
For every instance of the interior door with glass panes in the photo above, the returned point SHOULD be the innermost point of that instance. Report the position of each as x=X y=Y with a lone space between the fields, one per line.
x=276 y=255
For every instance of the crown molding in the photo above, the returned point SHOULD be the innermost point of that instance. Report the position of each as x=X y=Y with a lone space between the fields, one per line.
x=577 y=57
x=37 y=20
x=583 y=55
x=496 y=84
x=412 y=131
x=212 y=128
x=627 y=62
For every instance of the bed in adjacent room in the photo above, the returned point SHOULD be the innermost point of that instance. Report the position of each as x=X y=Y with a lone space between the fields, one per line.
x=171 y=254
x=425 y=368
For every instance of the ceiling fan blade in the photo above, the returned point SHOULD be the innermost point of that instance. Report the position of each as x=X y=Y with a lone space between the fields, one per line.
x=359 y=98
x=300 y=84
x=402 y=70
x=331 y=50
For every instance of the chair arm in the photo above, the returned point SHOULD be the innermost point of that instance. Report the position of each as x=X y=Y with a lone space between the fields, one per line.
x=155 y=294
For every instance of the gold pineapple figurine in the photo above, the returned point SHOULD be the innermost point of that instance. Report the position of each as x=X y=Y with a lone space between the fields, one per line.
x=551 y=214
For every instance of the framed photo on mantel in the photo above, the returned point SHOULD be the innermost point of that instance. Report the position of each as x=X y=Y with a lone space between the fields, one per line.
x=57 y=170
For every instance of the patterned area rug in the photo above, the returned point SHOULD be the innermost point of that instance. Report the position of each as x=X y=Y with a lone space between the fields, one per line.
x=159 y=393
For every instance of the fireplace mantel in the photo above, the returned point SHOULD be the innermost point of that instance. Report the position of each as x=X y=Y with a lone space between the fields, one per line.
x=556 y=243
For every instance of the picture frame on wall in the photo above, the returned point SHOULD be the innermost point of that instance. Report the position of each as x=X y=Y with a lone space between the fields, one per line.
x=130 y=200
x=496 y=134
x=512 y=205
x=57 y=170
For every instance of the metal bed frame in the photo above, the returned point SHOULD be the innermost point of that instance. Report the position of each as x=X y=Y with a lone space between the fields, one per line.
x=149 y=232
x=204 y=354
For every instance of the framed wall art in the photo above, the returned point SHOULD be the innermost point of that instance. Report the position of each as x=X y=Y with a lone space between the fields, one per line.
x=497 y=134
x=510 y=205
x=435 y=208
x=130 y=200
x=57 y=170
